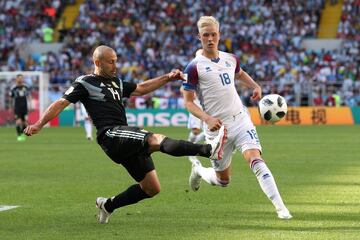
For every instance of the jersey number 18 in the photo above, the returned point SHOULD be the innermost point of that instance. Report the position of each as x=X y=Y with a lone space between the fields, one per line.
x=225 y=79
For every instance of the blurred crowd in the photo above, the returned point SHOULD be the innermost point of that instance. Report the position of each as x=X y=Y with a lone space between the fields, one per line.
x=23 y=22
x=151 y=37
x=349 y=26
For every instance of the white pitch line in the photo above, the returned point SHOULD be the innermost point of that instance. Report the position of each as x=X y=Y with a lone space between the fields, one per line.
x=4 y=207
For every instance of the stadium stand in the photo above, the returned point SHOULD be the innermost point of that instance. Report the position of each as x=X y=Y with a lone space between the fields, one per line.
x=21 y=23
x=153 y=37
x=330 y=18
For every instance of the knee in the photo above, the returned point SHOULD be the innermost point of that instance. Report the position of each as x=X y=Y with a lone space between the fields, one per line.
x=154 y=141
x=152 y=191
x=251 y=154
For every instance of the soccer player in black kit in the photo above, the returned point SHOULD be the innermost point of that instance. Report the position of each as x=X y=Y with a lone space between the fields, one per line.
x=102 y=94
x=19 y=98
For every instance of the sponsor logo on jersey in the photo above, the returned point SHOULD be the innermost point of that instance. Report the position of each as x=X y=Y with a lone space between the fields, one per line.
x=207 y=69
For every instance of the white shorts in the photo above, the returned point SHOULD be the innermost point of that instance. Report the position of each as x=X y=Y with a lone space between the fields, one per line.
x=194 y=122
x=242 y=136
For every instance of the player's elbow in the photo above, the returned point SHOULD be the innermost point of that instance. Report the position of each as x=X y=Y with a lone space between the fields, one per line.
x=139 y=91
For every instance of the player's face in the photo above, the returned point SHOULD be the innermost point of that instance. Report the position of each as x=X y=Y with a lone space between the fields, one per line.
x=19 y=80
x=209 y=37
x=108 y=64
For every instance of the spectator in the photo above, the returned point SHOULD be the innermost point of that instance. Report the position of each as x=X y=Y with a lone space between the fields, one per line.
x=268 y=39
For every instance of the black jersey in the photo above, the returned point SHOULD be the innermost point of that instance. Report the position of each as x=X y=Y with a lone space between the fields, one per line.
x=20 y=94
x=102 y=98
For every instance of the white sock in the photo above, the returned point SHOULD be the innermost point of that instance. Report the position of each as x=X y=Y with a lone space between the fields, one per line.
x=88 y=128
x=267 y=182
x=209 y=175
x=200 y=137
x=191 y=137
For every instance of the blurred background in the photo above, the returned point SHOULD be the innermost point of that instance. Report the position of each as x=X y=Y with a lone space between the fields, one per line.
x=307 y=51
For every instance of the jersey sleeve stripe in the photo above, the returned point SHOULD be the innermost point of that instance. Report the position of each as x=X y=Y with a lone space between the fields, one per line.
x=192 y=76
x=189 y=87
x=237 y=68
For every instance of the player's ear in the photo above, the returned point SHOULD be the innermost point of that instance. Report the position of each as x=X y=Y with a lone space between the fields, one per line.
x=199 y=36
x=97 y=62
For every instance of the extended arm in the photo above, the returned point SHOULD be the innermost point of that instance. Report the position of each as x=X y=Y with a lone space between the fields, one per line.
x=51 y=112
x=155 y=83
x=213 y=123
x=249 y=82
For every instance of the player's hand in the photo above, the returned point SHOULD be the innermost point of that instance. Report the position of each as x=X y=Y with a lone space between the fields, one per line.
x=31 y=130
x=176 y=75
x=256 y=96
x=213 y=124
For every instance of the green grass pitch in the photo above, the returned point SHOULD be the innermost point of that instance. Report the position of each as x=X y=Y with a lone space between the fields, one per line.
x=55 y=177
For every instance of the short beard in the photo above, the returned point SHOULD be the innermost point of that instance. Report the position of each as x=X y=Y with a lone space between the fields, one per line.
x=104 y=74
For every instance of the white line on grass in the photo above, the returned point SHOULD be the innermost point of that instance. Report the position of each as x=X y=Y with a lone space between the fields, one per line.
x=4 y=207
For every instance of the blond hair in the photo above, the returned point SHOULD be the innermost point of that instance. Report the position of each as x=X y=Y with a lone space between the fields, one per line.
x=205 y=21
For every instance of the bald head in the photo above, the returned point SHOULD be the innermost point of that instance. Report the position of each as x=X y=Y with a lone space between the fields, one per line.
x=101 y=51
x=104 y=59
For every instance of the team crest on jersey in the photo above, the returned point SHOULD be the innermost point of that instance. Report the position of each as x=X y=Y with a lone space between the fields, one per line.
x=114 y=84
x=207 y=69
x=227 y=64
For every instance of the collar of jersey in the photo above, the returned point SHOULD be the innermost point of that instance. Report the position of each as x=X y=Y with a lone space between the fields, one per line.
x=215 y=60
x=105 y=78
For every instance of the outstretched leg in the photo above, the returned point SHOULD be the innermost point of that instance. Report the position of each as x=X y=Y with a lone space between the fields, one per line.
x=267 y=182
x=214 y=150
